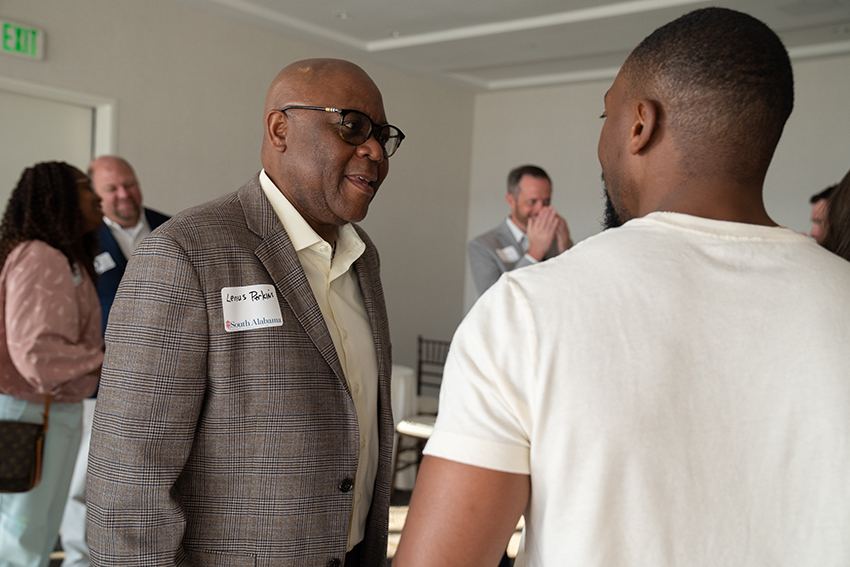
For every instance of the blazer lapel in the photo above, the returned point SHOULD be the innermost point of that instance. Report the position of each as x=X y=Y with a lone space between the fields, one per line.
x=506 y=239
x=372 y=294
x=278 y=256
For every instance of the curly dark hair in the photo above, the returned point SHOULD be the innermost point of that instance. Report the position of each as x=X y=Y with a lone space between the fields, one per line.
x=45 y=205
x=838 y=219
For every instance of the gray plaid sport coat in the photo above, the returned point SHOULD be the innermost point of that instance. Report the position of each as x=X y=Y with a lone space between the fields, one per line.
x=229 y=448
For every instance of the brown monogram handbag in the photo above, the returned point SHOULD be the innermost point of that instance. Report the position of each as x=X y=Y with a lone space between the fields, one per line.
x=21 y=448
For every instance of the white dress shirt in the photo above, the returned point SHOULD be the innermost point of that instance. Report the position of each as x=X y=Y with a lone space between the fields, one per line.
x=337 y=291
x=129 y=238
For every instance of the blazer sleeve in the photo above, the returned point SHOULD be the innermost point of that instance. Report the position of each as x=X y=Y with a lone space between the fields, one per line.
x=484 y=265
x=152 y=388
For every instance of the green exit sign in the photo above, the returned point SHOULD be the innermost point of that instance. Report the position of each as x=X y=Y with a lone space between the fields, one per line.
x=18 y=39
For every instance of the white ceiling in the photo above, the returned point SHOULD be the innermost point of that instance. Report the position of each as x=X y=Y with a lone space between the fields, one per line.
x=501 y=44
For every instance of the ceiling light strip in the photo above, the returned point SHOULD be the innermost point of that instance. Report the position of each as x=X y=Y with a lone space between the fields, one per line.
x=280 y=18
x=559 y=19
x=554 y=79
x=819 y=50
x=795 y=53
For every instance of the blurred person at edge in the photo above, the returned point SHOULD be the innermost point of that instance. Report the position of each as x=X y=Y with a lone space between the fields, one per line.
x=50 y=341
x=819 y=211
x=837 y=237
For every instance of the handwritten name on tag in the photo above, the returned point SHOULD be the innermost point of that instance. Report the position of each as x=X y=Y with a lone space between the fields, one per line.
x=250 y=307
x=103 y=262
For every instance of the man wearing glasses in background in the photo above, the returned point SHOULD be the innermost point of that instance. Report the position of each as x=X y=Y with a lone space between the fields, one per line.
x=244 y=411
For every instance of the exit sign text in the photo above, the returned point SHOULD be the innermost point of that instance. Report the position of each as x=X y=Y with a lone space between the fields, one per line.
x=21 y=40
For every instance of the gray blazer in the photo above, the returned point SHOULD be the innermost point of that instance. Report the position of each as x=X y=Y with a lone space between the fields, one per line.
x=488 y=258
x=229 y=448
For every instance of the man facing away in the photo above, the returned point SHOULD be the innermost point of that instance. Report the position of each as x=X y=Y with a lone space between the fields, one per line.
x=126 y=223
x=533 y=232
x=244 y=413
x=676 y=392
x=819 y=213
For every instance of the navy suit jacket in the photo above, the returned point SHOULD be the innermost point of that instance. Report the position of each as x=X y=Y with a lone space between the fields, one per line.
x=107 y=282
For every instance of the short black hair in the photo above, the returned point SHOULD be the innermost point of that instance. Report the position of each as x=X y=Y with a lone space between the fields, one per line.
x=823 y=194
x=725 y=86
x=517 y=173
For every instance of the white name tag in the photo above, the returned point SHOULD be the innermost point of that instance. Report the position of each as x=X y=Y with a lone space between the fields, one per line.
x=508 y=254
x=103 y=262
x=250 y=307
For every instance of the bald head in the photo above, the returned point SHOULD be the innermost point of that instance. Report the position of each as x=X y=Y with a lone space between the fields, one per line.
x=114 y=180
x=328 y=178
x=298 y=82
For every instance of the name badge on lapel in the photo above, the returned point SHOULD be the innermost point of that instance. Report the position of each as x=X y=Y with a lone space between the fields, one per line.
x=103 y=262
x=507 y=254
x=250 y=307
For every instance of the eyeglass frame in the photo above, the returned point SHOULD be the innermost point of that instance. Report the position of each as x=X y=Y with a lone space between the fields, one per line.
x=373 y=126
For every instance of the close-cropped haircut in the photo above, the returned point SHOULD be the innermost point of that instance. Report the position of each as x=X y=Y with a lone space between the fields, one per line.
x=725 y=87
x=45 y=205
x=837 y=237
x=517 y=173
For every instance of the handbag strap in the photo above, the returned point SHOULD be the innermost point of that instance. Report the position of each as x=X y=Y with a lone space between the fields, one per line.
x=46 y=412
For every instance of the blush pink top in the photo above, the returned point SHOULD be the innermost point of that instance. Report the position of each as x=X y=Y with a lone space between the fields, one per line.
x=50 y=336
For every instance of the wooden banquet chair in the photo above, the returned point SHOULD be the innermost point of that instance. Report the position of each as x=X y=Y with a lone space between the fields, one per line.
x=413 y=431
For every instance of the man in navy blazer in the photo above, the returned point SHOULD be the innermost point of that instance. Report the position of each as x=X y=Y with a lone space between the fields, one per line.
x=114 y=180
x=533 y=232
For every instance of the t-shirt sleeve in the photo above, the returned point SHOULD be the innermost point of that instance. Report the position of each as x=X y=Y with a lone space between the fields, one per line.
x=485 y=398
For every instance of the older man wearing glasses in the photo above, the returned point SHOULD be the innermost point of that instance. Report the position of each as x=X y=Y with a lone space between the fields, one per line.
x=244 y=412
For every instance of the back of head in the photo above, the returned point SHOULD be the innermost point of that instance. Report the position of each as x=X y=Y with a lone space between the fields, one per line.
x=44 y=206
x=518 y=172
x=725 y=86
x=837 y=238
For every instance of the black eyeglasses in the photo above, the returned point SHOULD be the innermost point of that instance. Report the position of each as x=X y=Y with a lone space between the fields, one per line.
x=355 y=128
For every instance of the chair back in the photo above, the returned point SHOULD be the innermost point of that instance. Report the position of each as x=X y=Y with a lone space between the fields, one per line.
x=431 y=358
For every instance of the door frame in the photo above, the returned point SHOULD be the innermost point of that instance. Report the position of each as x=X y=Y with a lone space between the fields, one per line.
x=105 y=124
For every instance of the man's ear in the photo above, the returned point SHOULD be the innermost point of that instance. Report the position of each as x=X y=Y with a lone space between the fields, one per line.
x=276 y=125
x=510 y=199
x=646 y=115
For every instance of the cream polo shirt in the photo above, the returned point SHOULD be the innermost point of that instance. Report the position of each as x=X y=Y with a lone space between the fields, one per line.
x=337 y=291
x=129 y=238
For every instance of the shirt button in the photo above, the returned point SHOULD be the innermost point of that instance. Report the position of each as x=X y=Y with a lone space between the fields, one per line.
x=362 y=443
x=356 y=388
x=346 y=485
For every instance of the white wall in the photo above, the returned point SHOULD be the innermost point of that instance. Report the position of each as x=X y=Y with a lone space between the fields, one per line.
x=190 y=87
x=558 y=129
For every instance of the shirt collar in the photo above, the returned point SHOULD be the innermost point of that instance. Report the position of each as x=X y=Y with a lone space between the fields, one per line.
x=132 y=231
x=515 y=230
x=348 y=243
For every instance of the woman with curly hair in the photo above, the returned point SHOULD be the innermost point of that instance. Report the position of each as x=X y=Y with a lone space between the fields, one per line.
x=837 y=238
x=50 y=340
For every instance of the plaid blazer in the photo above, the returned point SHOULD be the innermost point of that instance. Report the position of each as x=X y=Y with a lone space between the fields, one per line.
x=229 y=448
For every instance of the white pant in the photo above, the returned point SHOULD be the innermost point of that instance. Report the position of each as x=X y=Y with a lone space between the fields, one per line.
x=73 y=528
x=29 y=521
